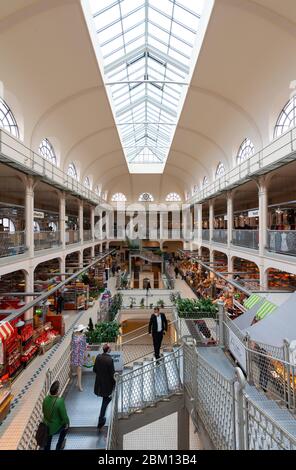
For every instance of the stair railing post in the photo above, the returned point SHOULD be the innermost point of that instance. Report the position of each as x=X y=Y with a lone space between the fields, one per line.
x=239 y=422
x=221 y=323
x=287 y=374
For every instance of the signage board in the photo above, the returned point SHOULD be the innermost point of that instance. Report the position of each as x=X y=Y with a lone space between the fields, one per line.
x=92 y=352
x=38 y=215
x=237 y=348
x=253 y=213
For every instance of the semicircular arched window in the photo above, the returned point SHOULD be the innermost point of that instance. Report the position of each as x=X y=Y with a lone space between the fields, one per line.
x=220 y=170
x=245 y=151
x=7 y=119
x=72 y=171
x=46 y=150
x=205 y=181
x=7 y=225
x=87 y=182
x=146 y=197
x=286 y=119
x=172 y=197
x=118 y=197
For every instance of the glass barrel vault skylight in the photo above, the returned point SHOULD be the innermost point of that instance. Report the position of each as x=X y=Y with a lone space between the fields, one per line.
x=147 y=48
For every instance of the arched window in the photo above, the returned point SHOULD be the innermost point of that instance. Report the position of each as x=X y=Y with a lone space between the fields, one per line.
x=7 y=119
x=195 y=188
x=87 y=182
x=7 y=225
x=118 y=197
x=36 y=226
x=220 y=170
x=171 y=197
x=245 y=151
x=205 y=181
x=287 y=118
x=46 y=150
x=97 y=190
x=72 y=171
x=146 y=197
x=52 y=226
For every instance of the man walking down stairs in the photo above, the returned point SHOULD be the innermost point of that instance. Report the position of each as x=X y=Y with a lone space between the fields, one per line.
x=158 y=326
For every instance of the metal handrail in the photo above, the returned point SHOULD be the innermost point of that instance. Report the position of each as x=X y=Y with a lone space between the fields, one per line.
x=145 y=334
x=145 y=366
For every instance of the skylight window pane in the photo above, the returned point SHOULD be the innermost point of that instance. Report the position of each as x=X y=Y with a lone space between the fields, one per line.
x=139 y=41
x=159 y=19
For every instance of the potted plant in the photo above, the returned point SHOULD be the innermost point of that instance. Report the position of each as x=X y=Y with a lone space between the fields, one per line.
x=151 y=306
x=160 y=303
x=132 y=302
x=104 y=332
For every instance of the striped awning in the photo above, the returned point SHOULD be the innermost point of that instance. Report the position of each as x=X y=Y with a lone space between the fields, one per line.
x=6 y=330
x=252 y=300
x=265 y=309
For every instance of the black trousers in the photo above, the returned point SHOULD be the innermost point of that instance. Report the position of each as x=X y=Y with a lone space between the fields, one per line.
x=157 y=340
x=105 y=403
x=63 y=431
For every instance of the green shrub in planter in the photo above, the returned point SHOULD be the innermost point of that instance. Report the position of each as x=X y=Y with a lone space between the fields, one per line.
x=194 y=308
x=104 y=332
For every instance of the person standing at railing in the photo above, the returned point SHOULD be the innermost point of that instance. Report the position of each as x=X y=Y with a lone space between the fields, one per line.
x=158 y=326
x=105 y=382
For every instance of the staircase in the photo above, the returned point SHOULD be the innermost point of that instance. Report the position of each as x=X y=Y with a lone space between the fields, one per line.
x=149 y=389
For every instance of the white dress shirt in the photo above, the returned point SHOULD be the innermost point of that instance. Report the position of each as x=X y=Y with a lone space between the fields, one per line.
x=159 y=323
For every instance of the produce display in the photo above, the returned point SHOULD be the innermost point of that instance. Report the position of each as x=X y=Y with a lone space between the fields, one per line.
x=46 y=337
x=27 y=332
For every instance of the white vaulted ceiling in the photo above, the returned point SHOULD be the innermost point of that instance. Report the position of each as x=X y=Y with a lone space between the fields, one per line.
x=53 y=83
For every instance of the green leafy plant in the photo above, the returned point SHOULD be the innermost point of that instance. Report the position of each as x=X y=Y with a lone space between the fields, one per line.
x=150 y=305
x=160 y=303
x=132 y=302
x=194 y=308
x=174 y=297
x=115 y=306
x=104 y=332
x=142 y=303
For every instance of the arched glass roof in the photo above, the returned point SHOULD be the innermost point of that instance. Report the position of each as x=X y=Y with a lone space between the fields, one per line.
x=147 y=48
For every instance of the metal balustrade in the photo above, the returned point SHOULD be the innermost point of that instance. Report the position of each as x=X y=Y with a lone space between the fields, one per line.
x=72 y=236
x=12 y=243
x=246 y=238
x=219 y=235
x=282 y=241
x=87 y=235
x=46 y=239
x=146 y=384
x=13 y=150
x=206 y=234
x=276 y=153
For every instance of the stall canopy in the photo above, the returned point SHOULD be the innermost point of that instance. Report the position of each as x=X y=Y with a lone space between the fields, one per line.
x=273 y=329
x=6 y=330
x=252 y=300
x=245 y=320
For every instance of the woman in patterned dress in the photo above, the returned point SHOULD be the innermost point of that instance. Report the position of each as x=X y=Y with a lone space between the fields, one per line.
x=78 y=352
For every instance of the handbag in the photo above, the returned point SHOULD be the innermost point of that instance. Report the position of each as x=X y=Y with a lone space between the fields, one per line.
x=42 y=432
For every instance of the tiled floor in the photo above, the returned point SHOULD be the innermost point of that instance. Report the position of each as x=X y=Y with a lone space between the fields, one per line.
x=160 y=435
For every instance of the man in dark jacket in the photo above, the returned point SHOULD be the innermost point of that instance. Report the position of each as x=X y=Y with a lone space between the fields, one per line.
x=104 y=384
x=158 y=325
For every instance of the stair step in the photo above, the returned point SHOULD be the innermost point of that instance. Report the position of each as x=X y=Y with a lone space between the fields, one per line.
x=84 y=438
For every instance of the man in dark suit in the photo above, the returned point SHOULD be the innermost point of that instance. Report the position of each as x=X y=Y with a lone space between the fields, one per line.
x=158 y=325
x=104 y=384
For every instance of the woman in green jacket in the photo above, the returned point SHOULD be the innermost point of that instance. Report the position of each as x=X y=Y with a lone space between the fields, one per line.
x=55 y=416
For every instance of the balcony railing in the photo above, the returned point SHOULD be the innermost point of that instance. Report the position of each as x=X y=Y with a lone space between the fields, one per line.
x=279 y=149
x=220 y=235
x=282 y=241
x=87 y=235
x=246 y=238
x=47 y=239
x=72 y=236
x=206 y=234
x=12 y=243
